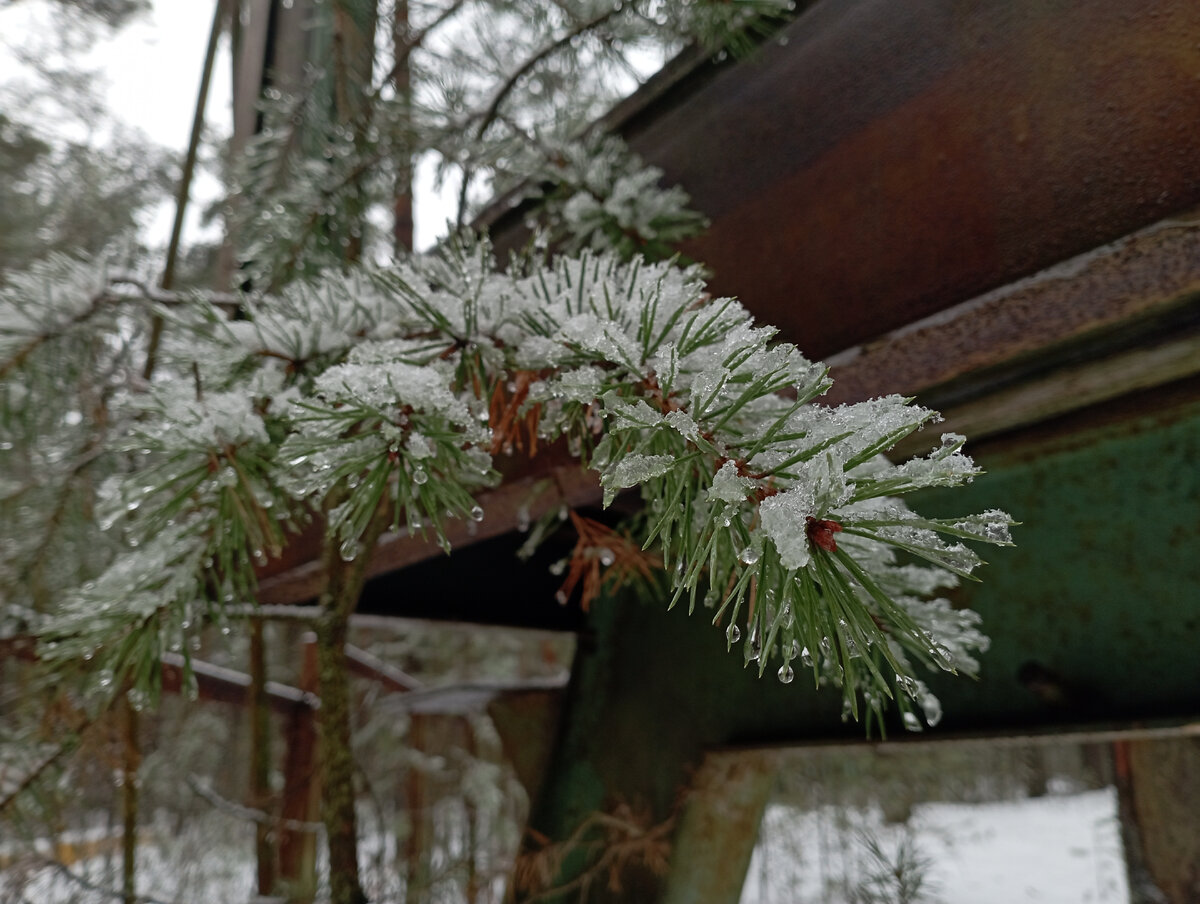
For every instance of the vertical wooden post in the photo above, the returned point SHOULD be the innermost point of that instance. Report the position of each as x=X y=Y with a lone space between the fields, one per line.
x=131 y=759
x=416 y=805
x=260 y=758
x=1163 y=786
x=1141 y=885
x=298 y=849
x=719 y=829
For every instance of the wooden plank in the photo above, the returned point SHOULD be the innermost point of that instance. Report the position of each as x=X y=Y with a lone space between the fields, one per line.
x=524 y=498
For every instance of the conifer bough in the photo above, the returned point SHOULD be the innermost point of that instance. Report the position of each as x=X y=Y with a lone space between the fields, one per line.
x=372 y=396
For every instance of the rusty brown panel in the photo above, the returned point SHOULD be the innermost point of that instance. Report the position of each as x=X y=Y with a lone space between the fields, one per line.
x=1142 y=282
x=892 y=159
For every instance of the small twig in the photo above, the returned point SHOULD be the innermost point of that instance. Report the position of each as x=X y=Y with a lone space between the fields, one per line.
x=93 y=887
x=493 y=109
x=412 y=43
x=249 y=813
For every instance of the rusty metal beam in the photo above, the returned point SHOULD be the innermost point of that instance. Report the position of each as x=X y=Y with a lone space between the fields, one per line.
x=880 y=161
x=1122 y=293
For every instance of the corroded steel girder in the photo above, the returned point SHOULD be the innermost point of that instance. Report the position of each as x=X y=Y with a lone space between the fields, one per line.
x=880 y=161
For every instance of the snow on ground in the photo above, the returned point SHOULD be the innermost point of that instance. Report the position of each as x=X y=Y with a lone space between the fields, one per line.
x=1064 y=849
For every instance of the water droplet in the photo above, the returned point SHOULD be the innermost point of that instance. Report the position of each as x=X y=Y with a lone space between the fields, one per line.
x=561 y=597
x=932 y=707
x=940 y=654
x=523 y=519
x=755 y=643
x=477 y=513
x=733 y=634
x=911 y=722
x=558 y=567
x=563 y=513
x=105 y=678
x=750 y=555
x=606 y=556
x=786 y=674
x=260 y=557
x=806 y=658
x=132 y=505
x=349 y=549
x=907 y=684
x=298 y=460
x=420 y=476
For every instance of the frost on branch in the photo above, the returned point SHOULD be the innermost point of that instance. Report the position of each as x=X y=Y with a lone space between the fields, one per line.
x=384 y=393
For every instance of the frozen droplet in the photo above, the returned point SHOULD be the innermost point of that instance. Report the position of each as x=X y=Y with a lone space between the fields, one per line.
x=420 y=476
x=477 y=513
x=911 y=722
x=606 y=556
x=733 y=634
x=932 y=708
x=755 y=643
x=786 y=674
x=750 y=554
x=940 y=654
x=349 y=549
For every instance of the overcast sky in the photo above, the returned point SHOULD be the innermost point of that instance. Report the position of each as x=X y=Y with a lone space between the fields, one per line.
x=151 y=74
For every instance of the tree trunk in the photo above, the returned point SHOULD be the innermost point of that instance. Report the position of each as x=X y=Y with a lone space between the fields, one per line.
x=344 y=583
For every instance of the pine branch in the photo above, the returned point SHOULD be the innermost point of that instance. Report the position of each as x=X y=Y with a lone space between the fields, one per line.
x=514 y=78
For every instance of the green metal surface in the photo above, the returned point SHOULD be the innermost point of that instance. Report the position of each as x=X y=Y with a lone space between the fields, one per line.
x=1102 y=590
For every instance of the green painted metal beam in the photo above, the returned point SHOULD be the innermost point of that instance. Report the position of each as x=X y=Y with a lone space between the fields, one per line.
x=1102 y=592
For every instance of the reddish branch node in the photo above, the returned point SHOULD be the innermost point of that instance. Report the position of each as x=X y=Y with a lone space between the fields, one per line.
x=820 y=532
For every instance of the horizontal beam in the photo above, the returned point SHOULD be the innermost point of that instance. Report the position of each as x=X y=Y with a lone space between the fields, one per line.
x=1118 y=294
x=519 y=500
x=851 y=198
